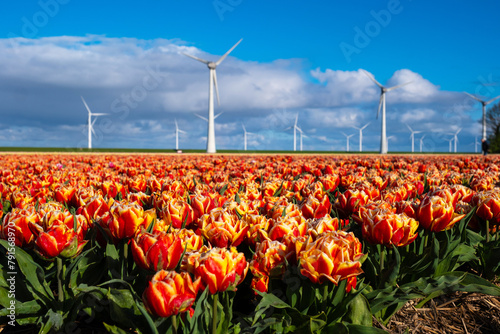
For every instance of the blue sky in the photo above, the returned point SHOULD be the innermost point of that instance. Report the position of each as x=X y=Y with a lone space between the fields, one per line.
x=301 y=58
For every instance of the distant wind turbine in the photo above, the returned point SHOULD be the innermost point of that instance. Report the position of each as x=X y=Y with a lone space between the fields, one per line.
x=245 y=133
x=412 y=136
x=476 y=142
x=347 y=137
x=301 y=135
x=422 y=142
x=484 y=103
x=90 y=122
x=449 y=141
x=361 y=136
x=295 y=127
x=177 y=131
x=212 y=82
x=381 y=104
x=455 y=136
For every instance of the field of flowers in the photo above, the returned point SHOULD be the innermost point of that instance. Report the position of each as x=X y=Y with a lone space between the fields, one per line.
x=240 y=244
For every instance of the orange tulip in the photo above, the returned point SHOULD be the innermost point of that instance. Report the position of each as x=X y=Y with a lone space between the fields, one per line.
x=314 y=208
x=177 y=213
x=488 y=205
x=221 y=269
x=222 y=228
x=57 y=240
x=389 y=229
x=296 y=226
x=267 y=261
x=156 y=252
x=437 y=214
x=332 y=257
x=201 y=204
x=125 y=220
x=350 y=201
x=170 y=293
x=19 y=221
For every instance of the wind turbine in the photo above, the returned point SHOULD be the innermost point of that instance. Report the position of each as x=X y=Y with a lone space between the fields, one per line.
x=422 y=142
x=361 y=136
x=245 y=132
x=449 y=141
x=177 y=130
x=295 y=127
x=301 y=135
x=347 y=140
x=412 y=136
x=455 y=137
x=381 y=104
x=484 y=103
x=476 y=142
x=90 y=122
x=212 y=82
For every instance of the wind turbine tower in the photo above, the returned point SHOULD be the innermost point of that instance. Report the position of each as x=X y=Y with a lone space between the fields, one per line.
x=361 y=136
x=245 y=133
x=295 y=128
x=211 y=83
x=449 y=141
x=412 y=136
x=422 y=142
x=381 y=105
x=347 y=137
x=90 y=122
x=177 y=130
x=484 y=104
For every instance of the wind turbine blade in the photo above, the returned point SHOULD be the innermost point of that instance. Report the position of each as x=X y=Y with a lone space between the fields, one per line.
x=244 y=129
x=399 y=86
x=92 y=130
x=176 y=126
x=355 y=127
x=474 y=97
x=458 y=131
x=296 y=119
x=99 y=114
x=203 y=118
x=493 y=99
x=196 y=58
x=216 y=88
x=228 y=52
x=215 y=117
x=372 y=78
x=380 y=104
x=181 y=131
x=86 y=106
x=365 y=126
x=409 y=128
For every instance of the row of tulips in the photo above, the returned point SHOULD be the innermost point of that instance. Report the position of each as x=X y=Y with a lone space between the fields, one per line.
x=303 y=244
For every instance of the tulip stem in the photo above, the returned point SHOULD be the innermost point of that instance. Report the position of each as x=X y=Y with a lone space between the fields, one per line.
x=382 y=259
x=60 y=293
x=125 y=260
x=487 y=231
x=174 y=323
x=214 y=316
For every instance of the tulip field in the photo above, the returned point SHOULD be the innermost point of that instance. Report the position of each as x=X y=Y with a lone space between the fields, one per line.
x=95 y=243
